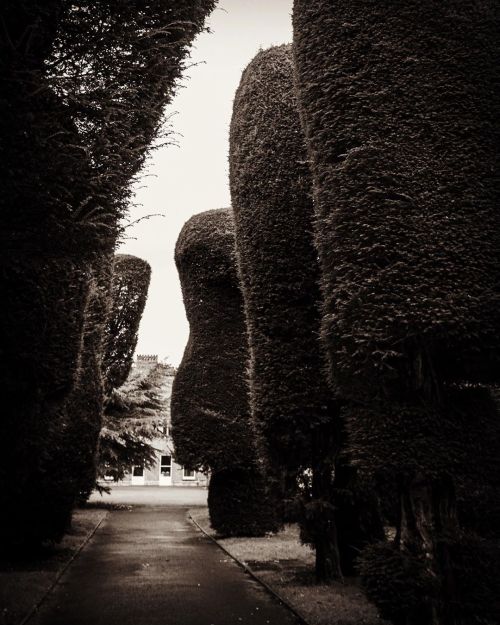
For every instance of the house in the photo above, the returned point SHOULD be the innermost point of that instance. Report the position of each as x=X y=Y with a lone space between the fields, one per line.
x=147 y=371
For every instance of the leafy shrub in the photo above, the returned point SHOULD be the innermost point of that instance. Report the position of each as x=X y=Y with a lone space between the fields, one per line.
x=271 y=190
x=399 y=583
x=238 y=503
x=476 y=569
x=407 y=232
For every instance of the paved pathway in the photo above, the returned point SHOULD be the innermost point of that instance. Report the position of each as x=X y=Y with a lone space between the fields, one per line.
x=150 y=566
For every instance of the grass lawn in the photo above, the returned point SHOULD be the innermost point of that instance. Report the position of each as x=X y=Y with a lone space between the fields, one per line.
x=23 y=583
x=288 y=567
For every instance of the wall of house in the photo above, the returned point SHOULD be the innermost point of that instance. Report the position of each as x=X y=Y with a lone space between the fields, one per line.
x=152 y=476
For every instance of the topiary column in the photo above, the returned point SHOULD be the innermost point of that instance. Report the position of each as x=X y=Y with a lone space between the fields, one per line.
x=211 y=424
x=129 y=292
x=271 y=190
x=112 y=323
x=400 y=106
x=71 y=465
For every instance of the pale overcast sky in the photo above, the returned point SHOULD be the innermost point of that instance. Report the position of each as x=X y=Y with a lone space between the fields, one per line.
x=193 y=177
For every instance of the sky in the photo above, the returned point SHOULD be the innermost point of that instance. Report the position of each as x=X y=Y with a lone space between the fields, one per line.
x=192 y=176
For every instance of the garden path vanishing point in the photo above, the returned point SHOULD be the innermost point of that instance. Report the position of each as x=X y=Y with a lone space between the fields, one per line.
x=148 y=565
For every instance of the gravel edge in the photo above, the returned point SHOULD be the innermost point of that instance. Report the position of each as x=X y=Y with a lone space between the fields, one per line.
x=301 y=618
x=36 y=606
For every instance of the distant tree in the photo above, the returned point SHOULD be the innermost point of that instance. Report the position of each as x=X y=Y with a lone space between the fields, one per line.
x=82 y=91
x=211 y=424
x=124 y=443
x=294 y=408
x=131 y=276
x=134 y=414
x=400 y=107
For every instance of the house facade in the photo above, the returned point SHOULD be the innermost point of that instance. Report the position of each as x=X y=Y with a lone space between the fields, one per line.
x=165 y=472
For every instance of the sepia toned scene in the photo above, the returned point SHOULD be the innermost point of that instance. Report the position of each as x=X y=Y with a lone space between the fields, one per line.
x=249 y=327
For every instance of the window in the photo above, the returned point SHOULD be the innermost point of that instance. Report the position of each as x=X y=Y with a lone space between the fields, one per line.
x=188 y=474
x=166 y=466
x=138 y=471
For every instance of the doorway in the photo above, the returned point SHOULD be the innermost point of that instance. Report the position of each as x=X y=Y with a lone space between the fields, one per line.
x=165 y=471
x=138 y=475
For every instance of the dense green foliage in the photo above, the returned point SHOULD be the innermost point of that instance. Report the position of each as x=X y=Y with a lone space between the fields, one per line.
x=405 y=195
x=82 y=90
x=210 y=413
x=112 y=319
x=400 y=107
x=404 y=588
x=44 y=276
x=271 y=190
x=238 y=503
x=131 y=276
x=84 y=407
x=36 y=384
x=399 y=583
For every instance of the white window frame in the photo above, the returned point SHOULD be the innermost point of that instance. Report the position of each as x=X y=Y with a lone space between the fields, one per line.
x=188 y=478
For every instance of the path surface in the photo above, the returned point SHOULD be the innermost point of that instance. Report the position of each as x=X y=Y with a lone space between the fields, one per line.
x=148 y=565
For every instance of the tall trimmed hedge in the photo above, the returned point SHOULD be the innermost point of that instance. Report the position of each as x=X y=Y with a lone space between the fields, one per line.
x=36 y=384
x=114 y=310
x=401 y=107
x=211 y=424
x=271 y=190
x=129 y=292
x=71 y=466
x=79 y=106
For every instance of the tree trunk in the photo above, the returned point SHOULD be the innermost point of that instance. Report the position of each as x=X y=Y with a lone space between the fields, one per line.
x=428 y=521
x=322 y=508
x=357 y=515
